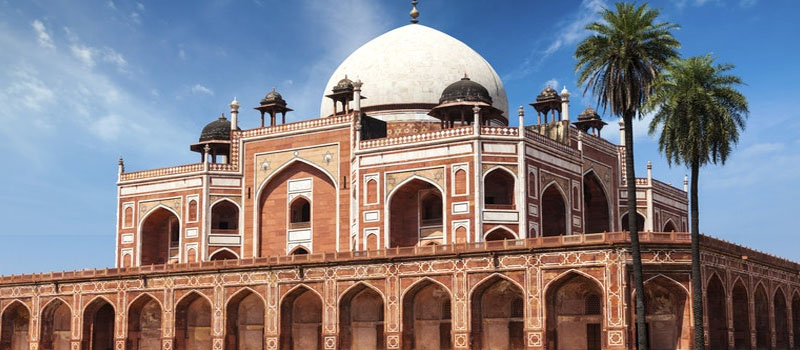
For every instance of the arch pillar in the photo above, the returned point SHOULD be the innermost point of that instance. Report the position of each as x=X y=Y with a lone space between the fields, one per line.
x=533 y=324
x=330 y=314
x=392 y=312
x=218 y=318
x=271 y=313
x=460 y=310
x=168 y=320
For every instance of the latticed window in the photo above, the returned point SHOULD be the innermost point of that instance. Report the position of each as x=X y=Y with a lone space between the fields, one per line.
x=593 y=305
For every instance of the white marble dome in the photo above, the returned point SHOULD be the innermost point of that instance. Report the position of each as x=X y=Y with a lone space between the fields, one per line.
x=413 y=64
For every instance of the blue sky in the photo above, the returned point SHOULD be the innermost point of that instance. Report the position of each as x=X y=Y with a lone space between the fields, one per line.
x=82 y=83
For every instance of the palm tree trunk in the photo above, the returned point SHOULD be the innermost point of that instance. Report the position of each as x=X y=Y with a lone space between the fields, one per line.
x=697 y=281
x=643 y=343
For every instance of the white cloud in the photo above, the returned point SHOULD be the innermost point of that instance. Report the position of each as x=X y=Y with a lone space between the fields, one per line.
x=42 y=35
x=109 y=55
x=107 y=128
x=200 y=89
x=28 y=90
x=83 y=54
x=140 y=6
x=567 y=33
x=553 y=83
x=111 y=5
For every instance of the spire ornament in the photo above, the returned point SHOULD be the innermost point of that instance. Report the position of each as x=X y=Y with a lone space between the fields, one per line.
x=414 y=12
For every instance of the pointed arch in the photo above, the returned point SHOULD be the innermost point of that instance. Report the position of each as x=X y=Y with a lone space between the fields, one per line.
x=245 y=313
x=669 y=226
x=596 y=204
x=99 y=317
x=157 y=250
x=574 y=310
x=761 y=302
x=554 y=211
x=404 y=225
x=796 y=317
x=272 y=224
x=193 y=316
x=668 y=310
x=299 y=250
x=741 y=314
x=300 y=212
x=56 y=325
x=499 y=187
x=640 y=219
x=667 y=280
x=16 y=319
x=361 y=318
x=781 y=319
x=225 y=216
x=497 y=315
x=144 y=322
x=426 y=315
x=499 y=233
x=301 y=318
x=223 y=254
x=717 y=310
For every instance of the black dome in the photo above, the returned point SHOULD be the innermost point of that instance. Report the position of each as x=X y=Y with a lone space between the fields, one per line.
x=218 y=130
x=589 y=114
x=273 y=97
x=548 y=94
x=465 y=90
x=343 y=85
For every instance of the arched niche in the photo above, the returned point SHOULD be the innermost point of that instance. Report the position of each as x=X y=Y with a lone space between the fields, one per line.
x=718 y=314
x=427 y=317
x=639 y=222
x=300 y=213
x=415 y=214
x=225 y=218
x=56 y=326
x=244 y=317
x=741 y=316
x=160 y=237
x=669 y=226
x=497 y=315
x=498 y=189
x=499 y=234
x=98 y=325
x=301 y=320
x=144 y=324
x=554 y=212
x=193 y=323
x=361 y=320
x=667 y=314
x=596 y=212
x=574 y=313
x=275 y=208
x=15 y=327
x=223 y=254
x=781 y=320
x=763 y=334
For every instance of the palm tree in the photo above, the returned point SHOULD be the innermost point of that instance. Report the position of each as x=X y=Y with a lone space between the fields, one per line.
x=700 y=114
x=620 y=62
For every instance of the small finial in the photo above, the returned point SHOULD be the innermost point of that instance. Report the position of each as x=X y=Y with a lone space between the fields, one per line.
x=649 y=165
x=235 y=104
x=121 y=161
x=521 y=111
x=222 y=115
x=207 y=148
x=414 y=12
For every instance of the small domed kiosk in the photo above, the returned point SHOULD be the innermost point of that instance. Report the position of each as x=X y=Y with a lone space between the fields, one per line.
x=457 y=101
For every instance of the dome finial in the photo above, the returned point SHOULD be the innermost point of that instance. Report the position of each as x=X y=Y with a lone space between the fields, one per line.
x=414 y=12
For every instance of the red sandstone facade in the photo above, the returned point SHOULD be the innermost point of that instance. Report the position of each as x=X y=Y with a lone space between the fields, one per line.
x=457 y=234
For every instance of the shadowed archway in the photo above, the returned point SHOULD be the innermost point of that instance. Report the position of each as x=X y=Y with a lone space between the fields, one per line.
x=193 y=323
x=497 y=315
x=741 y=317
x=717 y=314
x=15 y=325
x=595 y=205
x=426 y=317
x=144 y=324
x=160 y=237
x=554 y=212
x=361 y=318
x=244 y=328
x=574 y=313
x=56 y=326
x=301 y=320
x=98 y=325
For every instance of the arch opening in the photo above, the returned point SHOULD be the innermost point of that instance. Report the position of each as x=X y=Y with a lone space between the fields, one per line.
x=275 y=227
x=639 y=222
x=781 y=321
x=426 y=318
x=225 y=218
x=56 y=326
x=244 y=317
x=498 y=190
x=595 y=205
x=669 y=226
x=716 y=306
x=763 y=335
x=98 y=326
x=193 y=323
x=15 y=325
x=415 y=214
x=497 y=315
x=499 y=235
x=301 y=320
x=160 y=237
x=361 y=320
x=796 y=318
x=554 y=213
x=144 y=324
x=574 y=314
x=300 y=216
x=741 y=317
x=667 y=315
x=223 y=254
